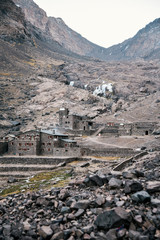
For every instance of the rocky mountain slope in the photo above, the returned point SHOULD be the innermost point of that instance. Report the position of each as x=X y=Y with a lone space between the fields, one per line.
x=58 y=30
x=144 y=45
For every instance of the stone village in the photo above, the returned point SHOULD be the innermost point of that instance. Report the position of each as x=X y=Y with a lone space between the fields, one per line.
x=50 y=143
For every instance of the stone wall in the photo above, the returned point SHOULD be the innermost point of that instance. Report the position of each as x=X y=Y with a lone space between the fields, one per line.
x=71 y=152
x=36 y=160
x=98 y=152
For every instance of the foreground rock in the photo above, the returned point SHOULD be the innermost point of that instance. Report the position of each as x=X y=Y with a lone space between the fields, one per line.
x=113 y=218
x=87 y=210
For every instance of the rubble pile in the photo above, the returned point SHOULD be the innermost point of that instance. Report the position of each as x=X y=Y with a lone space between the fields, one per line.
x=111 y=205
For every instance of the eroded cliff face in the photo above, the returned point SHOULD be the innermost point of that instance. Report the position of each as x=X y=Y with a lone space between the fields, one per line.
x=13 y=24
x=58 y=30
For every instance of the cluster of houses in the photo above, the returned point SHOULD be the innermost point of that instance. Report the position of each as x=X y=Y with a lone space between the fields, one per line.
x=128 y=129
x=50 y=143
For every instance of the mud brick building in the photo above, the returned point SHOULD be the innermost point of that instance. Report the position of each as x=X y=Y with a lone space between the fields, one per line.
x=129 y=129
x=137 y=128
x=75 y=123
x=44 y=142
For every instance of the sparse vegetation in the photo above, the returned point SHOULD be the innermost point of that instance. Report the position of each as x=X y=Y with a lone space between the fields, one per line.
x=58 y=178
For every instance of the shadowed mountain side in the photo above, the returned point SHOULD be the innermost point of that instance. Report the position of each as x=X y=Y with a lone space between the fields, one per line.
x=144 y=45
x=58 y=30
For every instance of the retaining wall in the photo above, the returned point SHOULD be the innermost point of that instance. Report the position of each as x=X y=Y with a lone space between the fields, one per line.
x=36 y=160
x=98 y=152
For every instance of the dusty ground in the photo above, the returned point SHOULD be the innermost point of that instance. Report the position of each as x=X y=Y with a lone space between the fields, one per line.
x=120 y=142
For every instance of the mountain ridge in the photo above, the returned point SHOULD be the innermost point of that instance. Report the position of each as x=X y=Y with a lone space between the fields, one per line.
x=137 y=47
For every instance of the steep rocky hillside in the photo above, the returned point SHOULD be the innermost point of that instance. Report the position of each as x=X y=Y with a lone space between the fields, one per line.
x=58 y=30
x=145 y=44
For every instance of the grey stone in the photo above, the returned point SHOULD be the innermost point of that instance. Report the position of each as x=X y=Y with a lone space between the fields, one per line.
x=155 y=202
x=87 y=229
x=79 y=213
x=120 y=203
x=113 y=218
x=138 y=219
x=82 y=204
x=79 y=233
x=132 y=186
x=115 y=183
x=45 y=232
x=96 y=180
x=65 y=210
x=128 y=175
x=100 y=200
x=64 y=193
x=134 y=235
x=57 y=236
x=153 y=186
x=111 y=234
x=141 y=197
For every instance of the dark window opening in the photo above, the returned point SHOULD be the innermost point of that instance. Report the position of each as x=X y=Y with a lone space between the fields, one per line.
x=146 y=132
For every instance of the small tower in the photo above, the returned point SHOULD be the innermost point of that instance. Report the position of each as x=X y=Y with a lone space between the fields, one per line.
x=63 y=113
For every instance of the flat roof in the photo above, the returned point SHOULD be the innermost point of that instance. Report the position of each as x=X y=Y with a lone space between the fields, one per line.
x=69 y=140
x=50 y=132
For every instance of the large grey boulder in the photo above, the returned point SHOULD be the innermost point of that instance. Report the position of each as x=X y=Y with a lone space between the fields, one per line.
x=132 y=186
x=113 y=218
x=141 y=197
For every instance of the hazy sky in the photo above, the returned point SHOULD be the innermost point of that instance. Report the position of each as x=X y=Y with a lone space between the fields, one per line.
x=104 y=22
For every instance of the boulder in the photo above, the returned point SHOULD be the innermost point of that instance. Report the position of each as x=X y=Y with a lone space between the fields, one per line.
x=96 y=180
x=82 y=204
x=132 y=186
x=113 y=218
x=64 y=193
x=115 y=183
x=45 y=232
x=141 y=197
